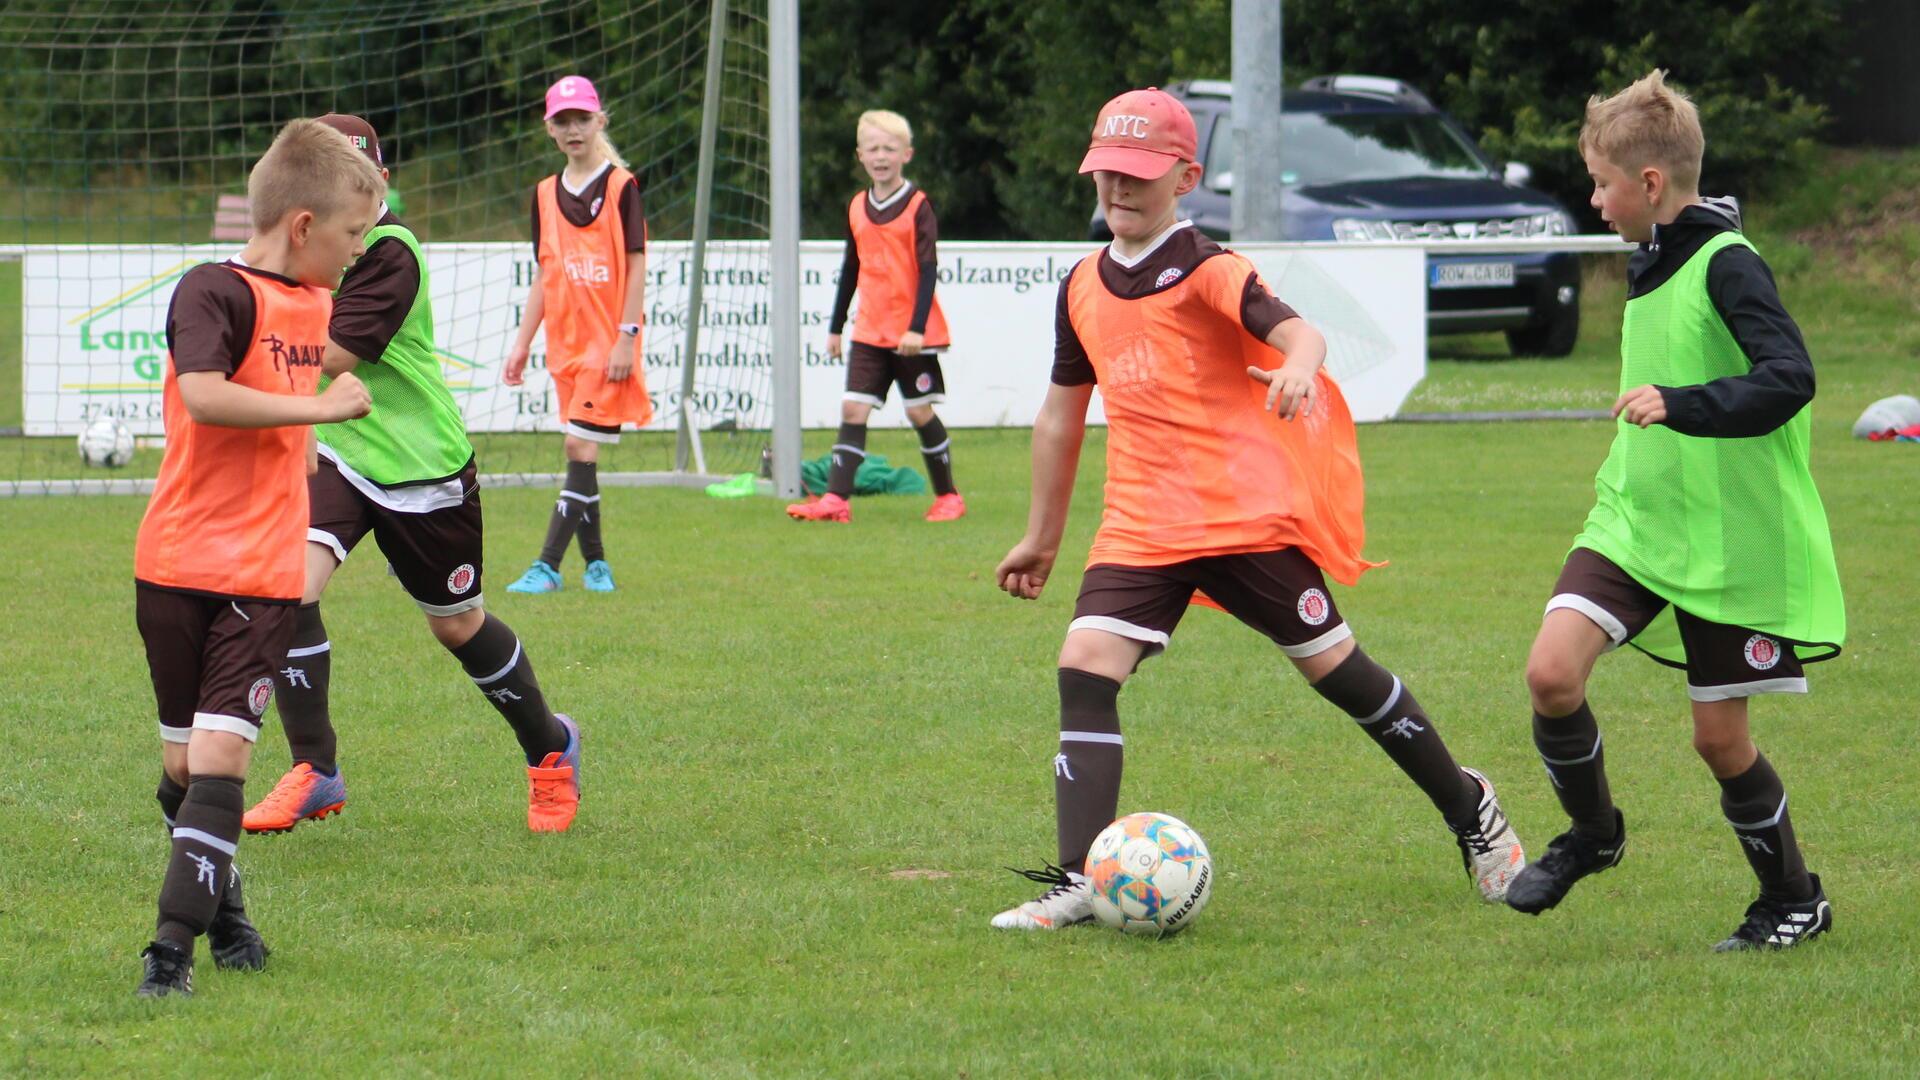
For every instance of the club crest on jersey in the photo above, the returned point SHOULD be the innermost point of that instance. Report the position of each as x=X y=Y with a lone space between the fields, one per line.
x=1167 y=277
x=1762 y=652
x=593 y=208
x=1313 y=607
x=923 y=383
x=461 y=579
x=1122 y=126
x=587 y=269
x=259 y=694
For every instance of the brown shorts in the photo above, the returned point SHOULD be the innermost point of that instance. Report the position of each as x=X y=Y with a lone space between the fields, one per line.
x=212 y=659
x=433 y=548
x=592 y=408
x=872 y=369
x=1723 y=662
x=1279 y=593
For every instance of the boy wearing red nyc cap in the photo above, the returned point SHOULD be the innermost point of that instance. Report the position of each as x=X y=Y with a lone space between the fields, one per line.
x=1231 y=471
x=900 y=331
x=406 y=475
x=589 y=288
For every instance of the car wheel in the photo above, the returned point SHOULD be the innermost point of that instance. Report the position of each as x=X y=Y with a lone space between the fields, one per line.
x=1554 y=339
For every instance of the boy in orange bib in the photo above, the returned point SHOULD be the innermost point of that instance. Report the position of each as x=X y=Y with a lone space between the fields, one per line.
x=1231 y=468
x=900 y=331
x=220 y=560
x=590 y=238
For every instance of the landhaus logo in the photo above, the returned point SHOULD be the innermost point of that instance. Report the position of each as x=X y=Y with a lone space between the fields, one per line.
x=140 y=349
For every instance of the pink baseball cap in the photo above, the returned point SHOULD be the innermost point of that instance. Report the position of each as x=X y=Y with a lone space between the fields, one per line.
x=576 y=92
x=1141 y=133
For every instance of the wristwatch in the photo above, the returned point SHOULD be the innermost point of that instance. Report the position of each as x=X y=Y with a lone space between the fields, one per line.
x=631 y=329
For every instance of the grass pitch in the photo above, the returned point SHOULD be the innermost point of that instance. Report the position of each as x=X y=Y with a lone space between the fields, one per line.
x=810 y=750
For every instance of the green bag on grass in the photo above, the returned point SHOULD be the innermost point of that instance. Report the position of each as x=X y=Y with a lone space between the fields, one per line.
x=874 y=477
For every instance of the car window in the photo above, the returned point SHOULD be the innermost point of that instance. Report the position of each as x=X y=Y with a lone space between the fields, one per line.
x=1220 y=148
x=1321 y=148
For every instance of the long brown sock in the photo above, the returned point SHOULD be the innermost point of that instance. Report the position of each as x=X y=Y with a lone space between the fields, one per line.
x=205 y=833
x=1576 y=763
x=849 y=451
x=1086 y=771
x=583 y=479
x=300 y=692
x=170 y=795
x=936 y=449
x=501 y=669
x=1388 y=713
x=568 y=509
x=1755 y=803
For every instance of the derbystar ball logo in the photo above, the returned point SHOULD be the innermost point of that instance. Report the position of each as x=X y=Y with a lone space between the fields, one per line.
x=587 y=269
x=1313 y=607
x=1762 y=652
x=1122 y=126
x=259 y=694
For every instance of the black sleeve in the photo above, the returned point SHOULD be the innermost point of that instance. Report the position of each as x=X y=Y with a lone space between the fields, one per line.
x=210 y=320
x=1260 y=310
x=633 y=216
x=926 y=233
x=536 y=225
x=849 y=279
x=1071 y=367
x=1780 y=383
x=375 y=299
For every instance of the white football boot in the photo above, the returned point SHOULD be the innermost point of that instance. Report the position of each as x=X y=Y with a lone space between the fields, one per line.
x=1068 y=901
x=1491 y=850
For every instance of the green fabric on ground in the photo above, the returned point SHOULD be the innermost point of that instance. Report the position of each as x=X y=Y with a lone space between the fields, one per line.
x=874 y=477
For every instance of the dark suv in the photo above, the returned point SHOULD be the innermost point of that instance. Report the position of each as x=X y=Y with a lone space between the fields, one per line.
x=1369 y=159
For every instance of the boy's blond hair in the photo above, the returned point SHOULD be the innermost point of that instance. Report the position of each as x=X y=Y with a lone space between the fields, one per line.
x=310 y=166
x=1648 y=123
x=887 y=122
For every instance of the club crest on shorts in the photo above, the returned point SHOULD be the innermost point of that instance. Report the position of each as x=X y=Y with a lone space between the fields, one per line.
x=1313 y=607
x=461 y=579
x=924 y=382
x=1762 y=652
x=1167 y=277
x=259 y=694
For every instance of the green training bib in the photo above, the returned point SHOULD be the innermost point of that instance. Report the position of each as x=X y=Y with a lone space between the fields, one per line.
x=415 y=431
x=1730 y=530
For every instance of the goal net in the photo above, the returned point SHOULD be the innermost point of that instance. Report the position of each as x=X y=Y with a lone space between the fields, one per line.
x=131 y=128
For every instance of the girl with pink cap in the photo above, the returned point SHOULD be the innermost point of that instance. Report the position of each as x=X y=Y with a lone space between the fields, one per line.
x=590 y=238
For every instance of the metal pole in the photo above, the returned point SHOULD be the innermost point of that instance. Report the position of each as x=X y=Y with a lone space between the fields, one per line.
x=689 y=440
x=1256 y=120
x=783 y=114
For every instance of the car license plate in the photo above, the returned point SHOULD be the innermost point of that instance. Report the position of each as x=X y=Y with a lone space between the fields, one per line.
x=1471 y=275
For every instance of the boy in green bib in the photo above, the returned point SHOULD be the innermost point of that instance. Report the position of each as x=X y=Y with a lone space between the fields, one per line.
x=405 y=474
x=1707 y=548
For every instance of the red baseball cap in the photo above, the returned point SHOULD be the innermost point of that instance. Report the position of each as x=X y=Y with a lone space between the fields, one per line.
x=572 y=92
x=358 y=132
x=1141 y=133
